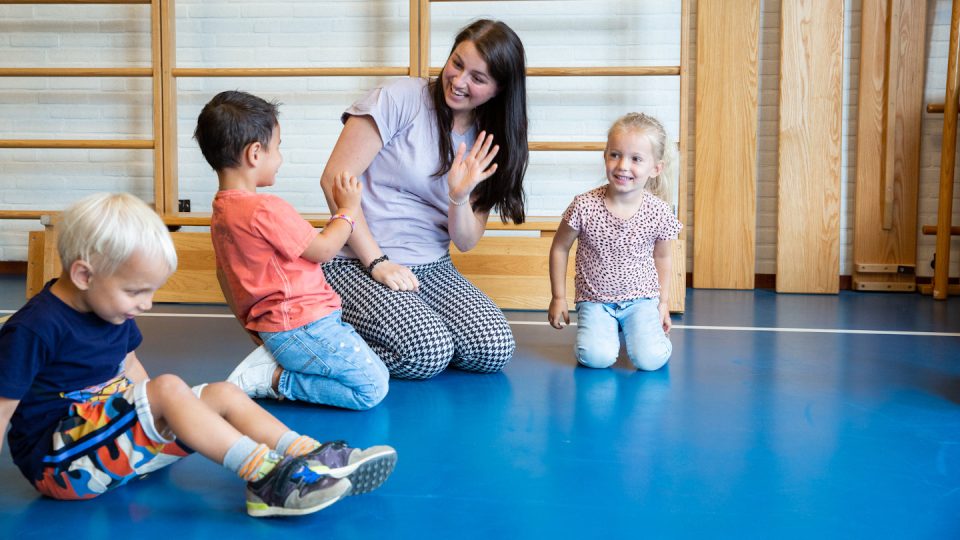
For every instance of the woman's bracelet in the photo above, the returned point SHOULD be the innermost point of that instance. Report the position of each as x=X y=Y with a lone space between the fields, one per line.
x=455 y=203
x=375 y=262
x=344 y=217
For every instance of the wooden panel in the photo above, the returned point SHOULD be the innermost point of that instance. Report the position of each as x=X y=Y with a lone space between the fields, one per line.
x=725 y=143
x=195 y=280
x=513 y=271
x=811 y=90
x=196 y=277
x=885 y=104
x=43 y=262
x=678 y=281
x=678 y=285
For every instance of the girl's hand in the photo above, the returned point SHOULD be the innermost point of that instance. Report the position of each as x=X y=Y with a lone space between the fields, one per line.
x=396 y=276
x=557 y=314
x=665 y=317
x=471 y=168
x=346 y=193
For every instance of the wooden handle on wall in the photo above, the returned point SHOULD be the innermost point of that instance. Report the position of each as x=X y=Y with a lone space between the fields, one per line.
x=891 y=86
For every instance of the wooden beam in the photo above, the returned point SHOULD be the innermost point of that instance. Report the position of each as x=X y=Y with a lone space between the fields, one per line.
x=725 y=204
x=75 y=72
x=948 y=151
x=678 y=285
x=74 y=2
x=594 y=71
x=291 y=72
x=566 y=146
x=156 y=61
x=26 y=214
x=932 y=229
x=86 y=144
x=423 y=41
x=811 y=112
x=168 y=192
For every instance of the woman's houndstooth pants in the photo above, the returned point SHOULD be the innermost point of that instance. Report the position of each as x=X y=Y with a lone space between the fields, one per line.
x=417 y=334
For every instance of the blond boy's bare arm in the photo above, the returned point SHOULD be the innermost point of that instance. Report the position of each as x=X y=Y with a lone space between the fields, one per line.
x=133 y=369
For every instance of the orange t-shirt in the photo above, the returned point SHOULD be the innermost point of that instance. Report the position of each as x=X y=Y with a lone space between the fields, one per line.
x=258 y=240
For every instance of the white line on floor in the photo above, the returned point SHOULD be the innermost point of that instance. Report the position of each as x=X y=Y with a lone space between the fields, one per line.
x=203 y=315
x=819 y=330
x=676 y=326
x=787 y=330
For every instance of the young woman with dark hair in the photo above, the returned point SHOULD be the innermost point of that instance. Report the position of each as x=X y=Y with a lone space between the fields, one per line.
x=435 y=157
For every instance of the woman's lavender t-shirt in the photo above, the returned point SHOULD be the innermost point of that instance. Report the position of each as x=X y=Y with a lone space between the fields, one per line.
x=404 y=204
x=615 y=256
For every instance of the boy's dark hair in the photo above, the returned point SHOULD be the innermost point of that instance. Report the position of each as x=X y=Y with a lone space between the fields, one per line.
x=229 y=122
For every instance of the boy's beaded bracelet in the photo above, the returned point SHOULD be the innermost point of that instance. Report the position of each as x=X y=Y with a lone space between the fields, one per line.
x=375 y=262
x=344 y=217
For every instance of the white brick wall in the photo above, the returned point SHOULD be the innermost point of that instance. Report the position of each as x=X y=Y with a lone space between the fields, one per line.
x=335 y=33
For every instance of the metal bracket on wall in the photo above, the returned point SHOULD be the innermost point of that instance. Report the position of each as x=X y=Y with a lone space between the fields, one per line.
x=902 y=269
x=887 y=286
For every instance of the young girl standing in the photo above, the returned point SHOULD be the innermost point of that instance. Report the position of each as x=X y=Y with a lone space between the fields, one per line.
x=623 y=259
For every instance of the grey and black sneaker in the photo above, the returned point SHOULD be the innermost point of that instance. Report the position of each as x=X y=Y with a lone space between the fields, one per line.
x=366 y=469
x=293 y=488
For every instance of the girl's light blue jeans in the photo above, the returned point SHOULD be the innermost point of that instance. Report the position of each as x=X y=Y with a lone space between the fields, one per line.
x=599 y=326
x=327 y=362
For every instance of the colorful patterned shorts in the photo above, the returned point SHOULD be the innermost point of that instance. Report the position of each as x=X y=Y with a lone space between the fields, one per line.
x=108 y=439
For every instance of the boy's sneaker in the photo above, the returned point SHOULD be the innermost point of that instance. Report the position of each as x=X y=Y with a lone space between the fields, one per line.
x=366 y=469
x=292 y=488
x=254 y=375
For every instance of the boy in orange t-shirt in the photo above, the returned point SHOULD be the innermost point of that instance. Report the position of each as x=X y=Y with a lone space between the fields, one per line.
x=268 y=264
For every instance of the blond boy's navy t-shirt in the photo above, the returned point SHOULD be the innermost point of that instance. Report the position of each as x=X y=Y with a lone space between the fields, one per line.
x=48 y=349
x=403 y=202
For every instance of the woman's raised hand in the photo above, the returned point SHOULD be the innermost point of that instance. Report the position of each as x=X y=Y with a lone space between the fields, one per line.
x=471 y=168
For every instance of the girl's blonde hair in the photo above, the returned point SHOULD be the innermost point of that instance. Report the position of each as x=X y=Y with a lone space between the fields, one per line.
x=105 y=229
x=662 y=185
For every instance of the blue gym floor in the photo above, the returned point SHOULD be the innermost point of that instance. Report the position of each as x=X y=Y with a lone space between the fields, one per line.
x=779 y=416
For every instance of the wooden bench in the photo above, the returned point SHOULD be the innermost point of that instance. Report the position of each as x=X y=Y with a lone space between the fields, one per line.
x=512 y=270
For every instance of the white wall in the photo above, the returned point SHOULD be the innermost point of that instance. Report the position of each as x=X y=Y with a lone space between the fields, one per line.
x=333 y=33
